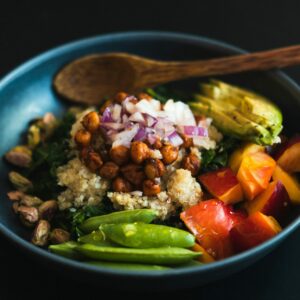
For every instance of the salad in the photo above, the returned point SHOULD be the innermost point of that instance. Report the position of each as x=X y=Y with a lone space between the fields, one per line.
x=151 y=182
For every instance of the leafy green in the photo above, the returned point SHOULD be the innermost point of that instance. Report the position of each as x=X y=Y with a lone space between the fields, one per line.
x=214 y=159
x=163 y=94
x=49 y=155
x=71 y=218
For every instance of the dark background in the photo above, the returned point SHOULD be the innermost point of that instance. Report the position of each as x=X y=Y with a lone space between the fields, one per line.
x=28 y=28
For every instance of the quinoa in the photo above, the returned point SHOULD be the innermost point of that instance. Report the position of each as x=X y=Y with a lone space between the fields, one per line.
x=183 y=189
x=162 y=204
x=83 y=186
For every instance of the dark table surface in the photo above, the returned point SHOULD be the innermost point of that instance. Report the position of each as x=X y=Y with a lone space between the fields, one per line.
x=28 y=28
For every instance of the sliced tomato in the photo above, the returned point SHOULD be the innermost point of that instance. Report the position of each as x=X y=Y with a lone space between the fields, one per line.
x=211 y=221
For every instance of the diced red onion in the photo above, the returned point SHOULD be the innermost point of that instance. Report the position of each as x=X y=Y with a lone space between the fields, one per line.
x=116 y=112
x=150 y=121
x=164 y=127
x=125 y=137
x=128 y=105
x=151 y=137
x=112 y=125
x=195 y=131
x=137 y=117
x=175 y=139
x=147 y=107
x=143 y=121
x=141 y=134
x=106 y=116
x=129 y=99
x=124 y=118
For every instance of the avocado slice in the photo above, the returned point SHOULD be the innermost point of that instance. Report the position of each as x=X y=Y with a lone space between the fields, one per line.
x=238 y=112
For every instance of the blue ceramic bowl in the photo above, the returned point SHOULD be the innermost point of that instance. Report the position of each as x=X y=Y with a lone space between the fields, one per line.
x=27 y=92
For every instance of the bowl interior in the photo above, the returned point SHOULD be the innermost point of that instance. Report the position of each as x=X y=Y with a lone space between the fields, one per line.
x=27 y=92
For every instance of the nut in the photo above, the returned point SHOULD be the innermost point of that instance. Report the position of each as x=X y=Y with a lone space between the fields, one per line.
x=31 y=201
x=20 y=182
x=33 y=136
x=15 y=195
x=19 y=156
x=28 y=214
x=59 y=236
x=41 y=233
x=49 y=118
x=48 y=209
x=15 y=207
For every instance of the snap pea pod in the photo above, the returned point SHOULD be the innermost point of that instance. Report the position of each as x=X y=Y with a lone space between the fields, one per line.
x=128 y=266
x=96 y=238
x=66 y=249
x=160 y=256
x=126 y=216
x=139 y=235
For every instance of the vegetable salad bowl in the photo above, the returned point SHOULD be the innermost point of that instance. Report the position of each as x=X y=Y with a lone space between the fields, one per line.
x=27 y=93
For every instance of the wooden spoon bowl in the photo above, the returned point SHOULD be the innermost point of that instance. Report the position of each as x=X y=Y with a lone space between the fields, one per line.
x=91 y=78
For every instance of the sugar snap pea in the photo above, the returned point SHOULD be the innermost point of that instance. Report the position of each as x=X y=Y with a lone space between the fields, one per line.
x=126 y=216
x=139 y=235
x=96 y=237
x=127 y=266
x=66 y=249
x=160 y=256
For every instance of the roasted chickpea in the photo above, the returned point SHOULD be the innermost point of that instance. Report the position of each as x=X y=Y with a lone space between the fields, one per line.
x=150 y=188
x=139 y=151
x=120 y=97
x=91 y=121
x=187 y=141
x=91 y=159
x=106 y=104
x=120 y=155
x=169 y=154
x=157 y=144
x=109 y=170
x=83 y=137
x=192 y=163
x=144 y=96
x=154 y=168
x=121 y=185
x=133 y=173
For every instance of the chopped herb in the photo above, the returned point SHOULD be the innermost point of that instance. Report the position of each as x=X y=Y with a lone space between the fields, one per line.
x=49 y=155
x=71 y=219
x=214 y=159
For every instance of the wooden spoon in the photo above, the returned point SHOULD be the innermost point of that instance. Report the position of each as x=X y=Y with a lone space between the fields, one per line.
x=90 y=78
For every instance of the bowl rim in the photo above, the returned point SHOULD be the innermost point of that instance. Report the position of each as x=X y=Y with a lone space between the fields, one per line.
x=39 y=253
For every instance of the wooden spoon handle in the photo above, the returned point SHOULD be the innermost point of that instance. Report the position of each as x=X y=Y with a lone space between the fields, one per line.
x=263 y=60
